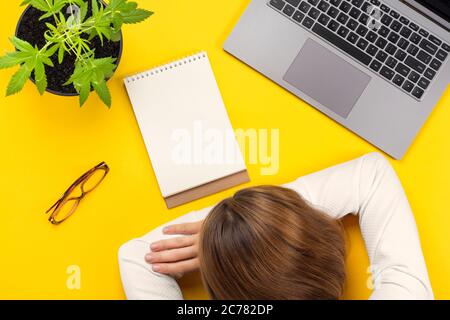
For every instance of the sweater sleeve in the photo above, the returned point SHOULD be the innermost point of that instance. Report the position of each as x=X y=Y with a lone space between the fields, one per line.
x=139 y=281
x=370 y=188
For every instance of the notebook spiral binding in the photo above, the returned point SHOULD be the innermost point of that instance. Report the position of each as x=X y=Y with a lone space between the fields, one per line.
x=167 y=67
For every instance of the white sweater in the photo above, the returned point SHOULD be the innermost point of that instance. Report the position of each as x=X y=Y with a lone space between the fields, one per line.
x=368 y=187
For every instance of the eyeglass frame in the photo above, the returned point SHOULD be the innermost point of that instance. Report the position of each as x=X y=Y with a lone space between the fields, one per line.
x=79 y=182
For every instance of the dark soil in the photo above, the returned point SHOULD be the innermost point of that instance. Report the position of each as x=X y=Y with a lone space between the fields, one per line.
x=32 y=30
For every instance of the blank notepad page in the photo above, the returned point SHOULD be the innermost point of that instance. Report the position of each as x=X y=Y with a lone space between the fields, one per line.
x=184 y=124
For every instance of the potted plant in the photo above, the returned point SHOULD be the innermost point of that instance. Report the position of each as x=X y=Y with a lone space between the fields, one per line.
x=70 y=47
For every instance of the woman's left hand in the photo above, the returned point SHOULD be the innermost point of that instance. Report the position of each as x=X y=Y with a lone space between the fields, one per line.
x=179 y=255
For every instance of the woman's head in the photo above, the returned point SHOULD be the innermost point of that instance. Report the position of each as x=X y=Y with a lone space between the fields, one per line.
x=268 y=243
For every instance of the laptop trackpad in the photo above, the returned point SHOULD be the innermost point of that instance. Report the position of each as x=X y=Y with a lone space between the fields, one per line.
x=327 y=78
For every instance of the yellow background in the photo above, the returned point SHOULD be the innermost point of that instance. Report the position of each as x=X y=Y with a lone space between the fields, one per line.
x=47 y=142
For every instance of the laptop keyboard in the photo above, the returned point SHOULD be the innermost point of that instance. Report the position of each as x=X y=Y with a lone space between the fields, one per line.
x=387 y=43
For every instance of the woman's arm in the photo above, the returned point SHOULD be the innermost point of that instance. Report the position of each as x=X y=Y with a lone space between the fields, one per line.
x=139 y=281
x=369 y=187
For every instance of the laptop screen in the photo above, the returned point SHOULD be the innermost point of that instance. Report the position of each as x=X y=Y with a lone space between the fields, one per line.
x=439 y=7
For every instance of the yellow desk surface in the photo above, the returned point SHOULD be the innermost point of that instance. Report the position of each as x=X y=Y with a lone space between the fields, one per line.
x=46 y=142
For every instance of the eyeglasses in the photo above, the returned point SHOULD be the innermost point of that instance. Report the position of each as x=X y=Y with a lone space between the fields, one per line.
x=68 y=203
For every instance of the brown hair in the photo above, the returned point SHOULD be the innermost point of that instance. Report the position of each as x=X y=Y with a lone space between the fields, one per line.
x=268 y=243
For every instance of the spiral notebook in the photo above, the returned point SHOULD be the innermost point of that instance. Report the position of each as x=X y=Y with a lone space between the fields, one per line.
x=186 y=129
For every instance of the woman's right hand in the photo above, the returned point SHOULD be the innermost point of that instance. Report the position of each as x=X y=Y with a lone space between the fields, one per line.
x=176 y=256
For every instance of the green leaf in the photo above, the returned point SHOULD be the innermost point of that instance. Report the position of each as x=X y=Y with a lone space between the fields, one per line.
x=22 y=45
x=103 y=92
x=41 y=5
x=18 y=80
x=52 y=50
x=10 y=59
x=40 y=77
x=135 y=16
x=61 y=53
x=84 y=92
x=94 y=7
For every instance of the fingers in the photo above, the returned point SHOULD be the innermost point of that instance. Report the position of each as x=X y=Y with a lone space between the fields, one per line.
x=172 y=255
x=184 y=228
x=177 y=268
x=174 y=243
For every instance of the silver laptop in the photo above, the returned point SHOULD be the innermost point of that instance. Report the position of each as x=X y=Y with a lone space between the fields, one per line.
x=376 y=67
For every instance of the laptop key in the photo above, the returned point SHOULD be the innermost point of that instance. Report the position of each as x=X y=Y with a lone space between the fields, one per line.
x=324 y=19
x=393 y=37
x=446 y=47
x=383 y=31
x=363 y=19
x=406 y=32
x=441 y=55
x=428 y=46
x=402 y=69
x=400 y=55
x=381 y=43
x=424 y=57
x=435 y=64
x=323 y=6
x=288 y=10
x=391 y=49
x=386 y=20
x=375 y=65
x=298 y=16
x=412 y=50
x=357 y=3
x=394 y=14
x=304 y=7
x=333 y=25
x=293 y=3
x=381 y=56
x=385 y=8
x=435 y=40
x=307 y=22
x=423 y=83
x=403 y=44
x=407 y=86
x=352 y=24
x=371 y=36
x=415 y=38
x=387 y=73
x=352 y=37
x=423 y=33
x=417 y=92
x=333 y=12
x=313 y=2
x=372 y=50
x=342 y=44
x=404 y=20
x=335 y=2
x=362 y=31
x=362 y=44
x=314 y=13
x=343 y=31
x=342 y=18
x=429 y=73
x=413 y=77
x=354 y=13
x=277 y=4
x=391 y=62
x=398 y=80
x=414 y=26
x=345 y=6
x=396 y=26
